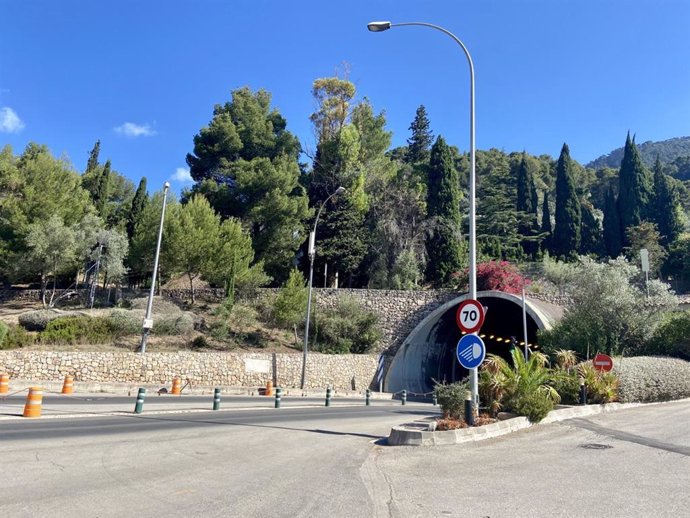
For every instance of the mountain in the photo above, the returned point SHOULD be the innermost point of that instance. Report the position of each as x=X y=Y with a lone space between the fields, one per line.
x=668 y=151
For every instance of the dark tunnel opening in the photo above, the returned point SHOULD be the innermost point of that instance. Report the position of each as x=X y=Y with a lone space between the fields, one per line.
x=429 y=355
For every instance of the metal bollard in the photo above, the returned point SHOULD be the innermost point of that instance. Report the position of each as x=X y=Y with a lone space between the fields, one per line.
x=216 y=399
x=279 y=392
x=403 y=397
x=329 y=395
x=368 y=398
x=139 y=407
x=469 y=409
x=583 y=392
x=434 y=399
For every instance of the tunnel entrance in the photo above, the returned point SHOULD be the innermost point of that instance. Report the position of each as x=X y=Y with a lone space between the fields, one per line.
x=428 y=356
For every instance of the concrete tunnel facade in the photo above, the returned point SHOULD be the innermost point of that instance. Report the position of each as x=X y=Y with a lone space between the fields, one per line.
x=428 y=354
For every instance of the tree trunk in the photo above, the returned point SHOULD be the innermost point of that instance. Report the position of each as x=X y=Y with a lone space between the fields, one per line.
x=191 y=286
x=44 y=288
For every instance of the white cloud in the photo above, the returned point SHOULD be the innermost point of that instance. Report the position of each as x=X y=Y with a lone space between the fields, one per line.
x=182 y=175
x=10 y=121
x=130 y=129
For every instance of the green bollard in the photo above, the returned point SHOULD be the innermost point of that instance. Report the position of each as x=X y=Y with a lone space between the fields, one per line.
x=279 y=392
x=329 y=394
x=434 y=400
x=139 y=406
x=216 y=399
x=404 y=397
x=368 y=397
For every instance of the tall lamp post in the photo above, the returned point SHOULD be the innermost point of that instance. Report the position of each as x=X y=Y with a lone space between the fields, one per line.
x=384 y=26
x=148 y=321
x=312 y=253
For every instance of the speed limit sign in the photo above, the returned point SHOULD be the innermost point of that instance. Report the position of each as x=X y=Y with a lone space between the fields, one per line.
x=470 y=316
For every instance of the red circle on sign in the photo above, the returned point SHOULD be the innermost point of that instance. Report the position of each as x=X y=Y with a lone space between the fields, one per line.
x=470 y=316
x=602 y=362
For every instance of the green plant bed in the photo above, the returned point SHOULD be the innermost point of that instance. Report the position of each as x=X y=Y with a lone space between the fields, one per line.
x=78 y=329
x=652 y=378
x=39 y=319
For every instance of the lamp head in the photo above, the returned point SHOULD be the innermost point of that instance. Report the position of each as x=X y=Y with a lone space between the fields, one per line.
x=340 y=190
x=378 y=26
x=166 y=185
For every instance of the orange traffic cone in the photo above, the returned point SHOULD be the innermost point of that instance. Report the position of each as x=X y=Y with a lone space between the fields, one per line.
x=34 y=401
x=177 y=386
x=269 y=388
x=68 y=385
x=4 y=383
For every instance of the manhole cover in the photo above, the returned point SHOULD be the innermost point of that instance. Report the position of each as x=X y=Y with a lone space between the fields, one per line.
x=595 y=446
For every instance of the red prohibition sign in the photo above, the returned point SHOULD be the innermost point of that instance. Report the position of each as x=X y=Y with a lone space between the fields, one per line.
x=470 y=316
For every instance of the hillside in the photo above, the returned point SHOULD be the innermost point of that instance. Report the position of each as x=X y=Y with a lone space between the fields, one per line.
x=668 y=151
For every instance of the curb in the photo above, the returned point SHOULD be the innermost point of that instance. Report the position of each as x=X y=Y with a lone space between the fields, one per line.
x=421 y=433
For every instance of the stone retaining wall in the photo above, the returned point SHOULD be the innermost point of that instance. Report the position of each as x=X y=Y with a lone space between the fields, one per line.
x=342 y=372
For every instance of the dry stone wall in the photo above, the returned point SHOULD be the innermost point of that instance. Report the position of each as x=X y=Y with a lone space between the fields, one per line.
x=342 y=372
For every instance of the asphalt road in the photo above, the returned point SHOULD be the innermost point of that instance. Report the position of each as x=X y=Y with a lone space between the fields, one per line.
x=314 y=462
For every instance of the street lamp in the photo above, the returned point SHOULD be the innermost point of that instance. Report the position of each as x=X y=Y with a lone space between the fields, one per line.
x=312 y=253
x=384 y=26
x=148 y=321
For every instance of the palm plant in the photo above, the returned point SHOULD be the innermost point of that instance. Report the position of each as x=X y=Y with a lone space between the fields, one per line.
x=523 y=387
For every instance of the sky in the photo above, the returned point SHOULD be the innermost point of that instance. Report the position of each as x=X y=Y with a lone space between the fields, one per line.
x=143 y=76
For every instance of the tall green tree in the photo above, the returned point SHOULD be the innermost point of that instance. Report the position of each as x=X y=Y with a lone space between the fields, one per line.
x=527 y=207
x=191 y=239
x=419 y=143
x=566 y=233
x=590 y=231
x=613 y=238
x=232 y=259
x=102 y=191
x=139 y=201
x=634 y=188
x=666 y=210
x=92 y=162
x=444 y=248
x=546 y=228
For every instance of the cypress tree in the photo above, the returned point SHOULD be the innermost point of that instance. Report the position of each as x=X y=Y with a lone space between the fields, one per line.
x=546 y=228
x=443 y=205
x=665 y=210
x=139 y=201
x=421 y=139
x=92 y=163
x=634 y=188
x=566 y=234
x=590 y=231
x=613 y=237
x=527 y=205
x=102 y=191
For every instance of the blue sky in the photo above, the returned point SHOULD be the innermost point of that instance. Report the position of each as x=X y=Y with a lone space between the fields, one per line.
x=143 y=76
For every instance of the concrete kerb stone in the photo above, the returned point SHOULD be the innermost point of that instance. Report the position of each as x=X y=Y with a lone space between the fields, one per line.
x=421 y=433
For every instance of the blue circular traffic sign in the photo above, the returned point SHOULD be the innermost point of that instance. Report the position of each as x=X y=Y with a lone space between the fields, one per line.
x=471 y=351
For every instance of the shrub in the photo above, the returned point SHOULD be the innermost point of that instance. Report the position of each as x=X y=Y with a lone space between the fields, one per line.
x=602 y=387
x=200 y=342
x=180 y=324
x=128 y=322
x=672 y=338
x=451 y=398
x=78 y=329
x=348 y=329
x=493 y=275
x=161 y=305
x=533 y=405
x=39 y=319
x=647 y=379
x=16 y=337
x=3 y=332
x=291 y=303
x=568 y=387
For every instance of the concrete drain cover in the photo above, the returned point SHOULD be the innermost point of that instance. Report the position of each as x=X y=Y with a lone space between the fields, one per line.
x=595 y=446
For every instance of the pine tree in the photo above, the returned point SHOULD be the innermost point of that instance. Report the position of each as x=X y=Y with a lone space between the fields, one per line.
x=665 y=207
x=546 y=228
x=566 y=234
x=139 y=201
x=527 y=206
x=421 y=139
x=443 y=203
x=590 y=231
x=613 y=237
x=634 y=187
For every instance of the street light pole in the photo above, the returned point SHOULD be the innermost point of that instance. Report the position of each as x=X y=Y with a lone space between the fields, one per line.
x=148 y=321
x=312 y=253
x=384 y=26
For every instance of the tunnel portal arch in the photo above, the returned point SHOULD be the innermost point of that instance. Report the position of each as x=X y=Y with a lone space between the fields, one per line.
x=428 y=353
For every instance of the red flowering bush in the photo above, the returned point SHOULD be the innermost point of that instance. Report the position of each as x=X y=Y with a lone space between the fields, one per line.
x=493 y=275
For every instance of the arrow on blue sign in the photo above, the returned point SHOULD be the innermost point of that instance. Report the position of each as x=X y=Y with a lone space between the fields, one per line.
x=471 y=351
